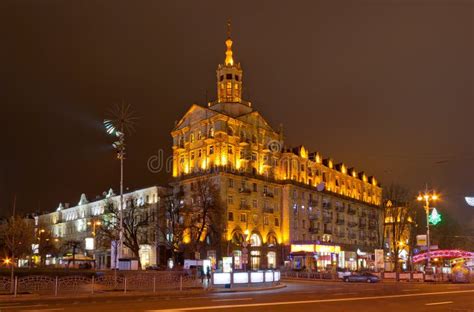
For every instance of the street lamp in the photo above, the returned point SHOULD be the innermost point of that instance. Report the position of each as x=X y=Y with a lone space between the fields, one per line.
x=94 y=224
x=120 y=147
x=427 y=197
x=123 y=120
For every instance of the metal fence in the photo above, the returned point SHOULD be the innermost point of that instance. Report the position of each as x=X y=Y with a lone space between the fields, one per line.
x=100 y=283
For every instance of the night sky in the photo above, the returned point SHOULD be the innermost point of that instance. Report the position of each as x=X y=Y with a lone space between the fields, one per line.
x=384 y=86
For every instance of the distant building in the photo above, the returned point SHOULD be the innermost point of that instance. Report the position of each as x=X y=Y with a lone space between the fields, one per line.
x=79 y=223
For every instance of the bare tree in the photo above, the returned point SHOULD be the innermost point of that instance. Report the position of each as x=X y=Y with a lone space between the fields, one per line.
x=170 y=224
x=136 y=224
x=206 y=214
x=18 y=236
x=399 y=216
x=47 y=244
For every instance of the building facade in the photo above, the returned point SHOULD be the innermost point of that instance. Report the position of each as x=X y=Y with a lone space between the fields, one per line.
x=80 y=224
x=274 y=196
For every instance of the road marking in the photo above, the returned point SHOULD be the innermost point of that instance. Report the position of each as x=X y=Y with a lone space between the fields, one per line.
x=438 y=303
x=265 y=304
x=232 y=299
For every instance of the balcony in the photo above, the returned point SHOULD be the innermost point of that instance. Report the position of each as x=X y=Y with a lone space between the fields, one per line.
x=244 y=207
x=362 y=225
x=327 y=231
x=313 y=217
x=351 y=211
x=268 y=210
x=244 y=190
x=340 y=221
x=352 y=236
x=340 y=234
x=267 y=194
x=351 y=224
x=326 y=205
x=327 y=219
x=340 y=209
x=313 y=203
x=314 y=230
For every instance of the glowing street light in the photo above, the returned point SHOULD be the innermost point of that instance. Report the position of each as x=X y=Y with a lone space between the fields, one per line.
x=427 y=197
x=123 y=120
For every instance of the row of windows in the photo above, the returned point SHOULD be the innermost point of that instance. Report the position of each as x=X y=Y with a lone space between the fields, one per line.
x=229 y=77
x=244 y=218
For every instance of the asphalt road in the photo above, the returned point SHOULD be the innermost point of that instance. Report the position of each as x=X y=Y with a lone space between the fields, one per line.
x=297 y=296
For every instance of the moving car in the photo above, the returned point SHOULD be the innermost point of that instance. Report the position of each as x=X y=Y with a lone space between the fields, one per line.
x=361 y=277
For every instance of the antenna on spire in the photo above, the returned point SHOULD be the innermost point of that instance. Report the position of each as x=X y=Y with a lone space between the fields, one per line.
x=228 y=28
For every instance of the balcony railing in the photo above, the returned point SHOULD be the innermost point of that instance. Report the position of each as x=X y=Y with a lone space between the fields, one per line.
x=244 y=207
x=268 y=210
x=352 y=224
x=244 y=190
x=268 y=194
x=326 y=205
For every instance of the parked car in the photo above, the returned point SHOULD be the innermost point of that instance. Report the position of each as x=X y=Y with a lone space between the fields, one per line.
x=361 y=277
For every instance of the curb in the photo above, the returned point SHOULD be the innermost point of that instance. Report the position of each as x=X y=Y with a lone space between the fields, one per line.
x=250 y=289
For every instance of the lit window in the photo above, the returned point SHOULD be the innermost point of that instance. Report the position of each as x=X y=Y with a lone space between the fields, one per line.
x=230 y=149
x=230 y=200
x=243 y=217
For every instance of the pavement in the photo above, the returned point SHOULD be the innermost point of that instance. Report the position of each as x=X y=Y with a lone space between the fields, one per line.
x=296 y=296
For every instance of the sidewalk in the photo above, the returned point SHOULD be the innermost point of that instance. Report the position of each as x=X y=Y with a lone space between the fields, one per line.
x=132 y=294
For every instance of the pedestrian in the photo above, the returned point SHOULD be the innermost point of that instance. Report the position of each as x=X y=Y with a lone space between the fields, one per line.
x=208 y=276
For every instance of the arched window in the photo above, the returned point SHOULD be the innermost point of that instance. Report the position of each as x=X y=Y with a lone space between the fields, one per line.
x=237 y=238
x=211 y=132
x=271 y=240
x=255 y=240
x=191 y=137
x=230 y=131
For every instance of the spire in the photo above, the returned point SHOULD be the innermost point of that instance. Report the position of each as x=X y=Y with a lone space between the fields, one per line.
x=229 y=61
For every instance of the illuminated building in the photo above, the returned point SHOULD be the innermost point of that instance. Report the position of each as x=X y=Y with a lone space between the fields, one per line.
x=77 y=223
x=274 y=196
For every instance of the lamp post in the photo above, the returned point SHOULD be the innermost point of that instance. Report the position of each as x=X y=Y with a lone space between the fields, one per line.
x=426 y=198
x=120 y=147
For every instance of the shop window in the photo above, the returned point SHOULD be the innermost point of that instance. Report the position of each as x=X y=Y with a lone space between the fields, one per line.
x=271 y=259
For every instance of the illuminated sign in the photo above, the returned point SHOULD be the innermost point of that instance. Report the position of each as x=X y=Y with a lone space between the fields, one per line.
x=316 y=248
x=90 y=244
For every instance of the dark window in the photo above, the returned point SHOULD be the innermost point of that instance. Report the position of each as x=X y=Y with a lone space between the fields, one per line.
x=236 y=78
x=222 y=77
x=231 y=216
x=228 y=76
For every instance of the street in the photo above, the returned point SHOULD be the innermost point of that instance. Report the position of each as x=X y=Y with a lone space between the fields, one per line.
x=298 y=295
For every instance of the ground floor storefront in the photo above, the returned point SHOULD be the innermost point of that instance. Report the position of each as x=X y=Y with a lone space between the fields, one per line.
x=326 y=257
